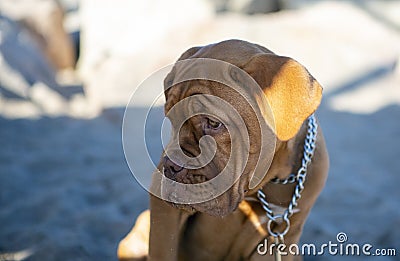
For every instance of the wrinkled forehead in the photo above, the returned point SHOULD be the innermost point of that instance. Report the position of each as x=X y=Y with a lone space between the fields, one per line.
x=218 y=78
x=208 y=69
x=221 y=84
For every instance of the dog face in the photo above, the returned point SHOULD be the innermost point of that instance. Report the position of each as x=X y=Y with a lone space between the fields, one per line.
x=290 y=92
x=220 y=129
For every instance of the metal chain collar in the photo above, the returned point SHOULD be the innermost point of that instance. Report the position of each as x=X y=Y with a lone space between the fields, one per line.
x=309 y=148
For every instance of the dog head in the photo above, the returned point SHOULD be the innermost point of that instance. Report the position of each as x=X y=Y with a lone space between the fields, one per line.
x=205 y=112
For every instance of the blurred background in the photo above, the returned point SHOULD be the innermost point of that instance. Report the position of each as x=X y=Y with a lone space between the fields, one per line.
x=68 y=68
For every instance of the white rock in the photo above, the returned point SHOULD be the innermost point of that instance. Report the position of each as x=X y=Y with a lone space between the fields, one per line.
x=18 y=109
x=49 y=101
x=12 y=80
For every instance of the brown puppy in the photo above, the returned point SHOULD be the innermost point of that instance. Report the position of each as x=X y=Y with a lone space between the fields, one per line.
x=231 y=225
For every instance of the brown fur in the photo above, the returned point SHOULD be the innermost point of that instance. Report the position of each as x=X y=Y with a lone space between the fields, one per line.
x=230 y=227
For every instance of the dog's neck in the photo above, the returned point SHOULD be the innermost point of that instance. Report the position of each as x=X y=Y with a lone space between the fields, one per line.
x=287 y=158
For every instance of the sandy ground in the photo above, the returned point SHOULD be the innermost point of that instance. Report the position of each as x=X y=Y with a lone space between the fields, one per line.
x=66 y=192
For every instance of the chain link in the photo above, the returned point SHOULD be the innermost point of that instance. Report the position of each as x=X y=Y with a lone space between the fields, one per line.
x=289 y=180
x=309 y=148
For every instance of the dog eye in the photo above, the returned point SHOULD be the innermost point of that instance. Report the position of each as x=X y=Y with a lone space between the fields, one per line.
x=213 y=124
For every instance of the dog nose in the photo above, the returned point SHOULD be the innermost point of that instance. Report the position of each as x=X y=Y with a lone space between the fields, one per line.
x=171 y=167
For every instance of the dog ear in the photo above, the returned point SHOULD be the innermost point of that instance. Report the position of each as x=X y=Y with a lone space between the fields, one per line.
x=169 y=79
x=291 y=91
x=188 y=53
